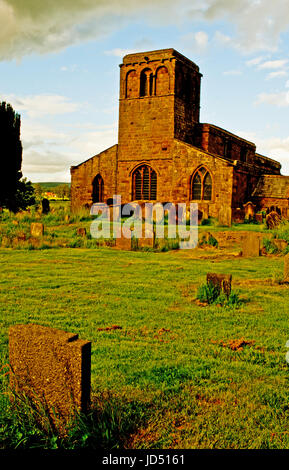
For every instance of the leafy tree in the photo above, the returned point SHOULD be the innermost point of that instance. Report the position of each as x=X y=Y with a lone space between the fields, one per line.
x=13 y=190
x=62 y=191
x=25 y=195
x=38 y=190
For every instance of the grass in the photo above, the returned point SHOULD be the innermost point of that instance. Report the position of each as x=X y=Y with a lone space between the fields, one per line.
x=169 y=377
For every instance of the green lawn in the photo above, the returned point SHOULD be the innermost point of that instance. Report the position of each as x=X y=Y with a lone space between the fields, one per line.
x=170 y=370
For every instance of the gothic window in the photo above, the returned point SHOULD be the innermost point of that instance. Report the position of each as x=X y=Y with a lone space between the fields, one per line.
x=146 y=82
x=144 y=183
x=201 y=185
x=97 y=189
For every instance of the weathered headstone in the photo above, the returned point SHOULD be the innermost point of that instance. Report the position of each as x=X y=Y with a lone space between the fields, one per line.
x=273 y=220
x=45 y=206
x=145 y=242
x=251 y=245
x=221 y=281
x=81 y=232
x=259 y=218
x=280 y=244
x=52 y=368
x=37 y=229
x=123 y=243
x=225 y=216
x=239 y=216
x=249 y=209
x=286 y=268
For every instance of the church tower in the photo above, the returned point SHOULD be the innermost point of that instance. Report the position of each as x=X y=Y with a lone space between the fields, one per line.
x=159 y=102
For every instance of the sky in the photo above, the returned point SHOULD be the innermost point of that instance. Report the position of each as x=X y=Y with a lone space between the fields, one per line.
x=59 y=69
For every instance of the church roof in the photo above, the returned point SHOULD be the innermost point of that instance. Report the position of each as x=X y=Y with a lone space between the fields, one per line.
x=275 y=186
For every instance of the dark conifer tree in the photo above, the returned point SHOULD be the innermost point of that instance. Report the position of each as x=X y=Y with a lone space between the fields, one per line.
x=11 y=187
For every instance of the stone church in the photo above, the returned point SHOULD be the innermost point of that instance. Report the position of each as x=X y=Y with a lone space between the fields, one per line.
x=165 y=154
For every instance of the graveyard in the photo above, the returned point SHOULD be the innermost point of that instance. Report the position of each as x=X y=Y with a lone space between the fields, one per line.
x=167 y=370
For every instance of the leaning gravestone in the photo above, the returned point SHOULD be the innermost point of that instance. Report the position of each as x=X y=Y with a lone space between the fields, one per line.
x=273 y=220
x=221 y=281
x=37 y=229
x=251 y=245
x=52 y=368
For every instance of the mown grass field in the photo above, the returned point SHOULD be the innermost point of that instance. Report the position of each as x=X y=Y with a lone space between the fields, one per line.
x=171 y=377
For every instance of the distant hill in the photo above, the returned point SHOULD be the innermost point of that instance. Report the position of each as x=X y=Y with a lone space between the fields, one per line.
x=50 y=185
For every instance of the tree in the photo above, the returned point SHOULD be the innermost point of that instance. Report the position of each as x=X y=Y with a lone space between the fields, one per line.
x=12 y=189
x=25 y=195
x=62 y=191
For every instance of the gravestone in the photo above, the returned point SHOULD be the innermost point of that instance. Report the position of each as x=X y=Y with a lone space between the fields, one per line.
x=249 y=209
x=45 y=206
x=273 y=220
x=123 y=243
x=145 y=242
x=251 y=245
x=239 y=216
x=37 y=229
x=81 y=232
x=280 y=244
x=259 y=218
x=149 y=237
x=221 y=281
x=51 y=368
x=225 y=216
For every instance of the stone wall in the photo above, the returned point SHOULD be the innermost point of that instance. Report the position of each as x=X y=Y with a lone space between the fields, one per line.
x=268 y=202
x=82 y=177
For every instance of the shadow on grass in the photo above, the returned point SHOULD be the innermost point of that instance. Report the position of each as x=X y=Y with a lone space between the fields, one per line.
x=108 y=425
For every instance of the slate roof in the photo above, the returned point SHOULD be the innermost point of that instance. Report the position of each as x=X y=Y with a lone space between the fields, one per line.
x=275 y=186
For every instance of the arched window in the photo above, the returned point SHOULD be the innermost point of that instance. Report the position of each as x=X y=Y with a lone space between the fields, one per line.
x=97 y=189
x=144 y=183
x=131 y=85
x=162 y=81
x=201 y=185
x=146 y=82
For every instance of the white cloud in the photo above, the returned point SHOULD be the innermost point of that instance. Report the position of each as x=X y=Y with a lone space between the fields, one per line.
x=254 y=61
x=277 y=74
x=276 y=99
x=120 y=52
x=273 y=64
x=222 y=38
x=39 y=27
x=70 y=68
x=40 y=105
x=201 y=39
x=273 y=147
x=49 y=149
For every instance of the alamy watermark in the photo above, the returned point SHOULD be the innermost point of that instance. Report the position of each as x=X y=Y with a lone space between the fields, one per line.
x=129 y=220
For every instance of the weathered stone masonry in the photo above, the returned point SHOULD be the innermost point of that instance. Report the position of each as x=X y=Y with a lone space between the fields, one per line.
x=165 y=154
